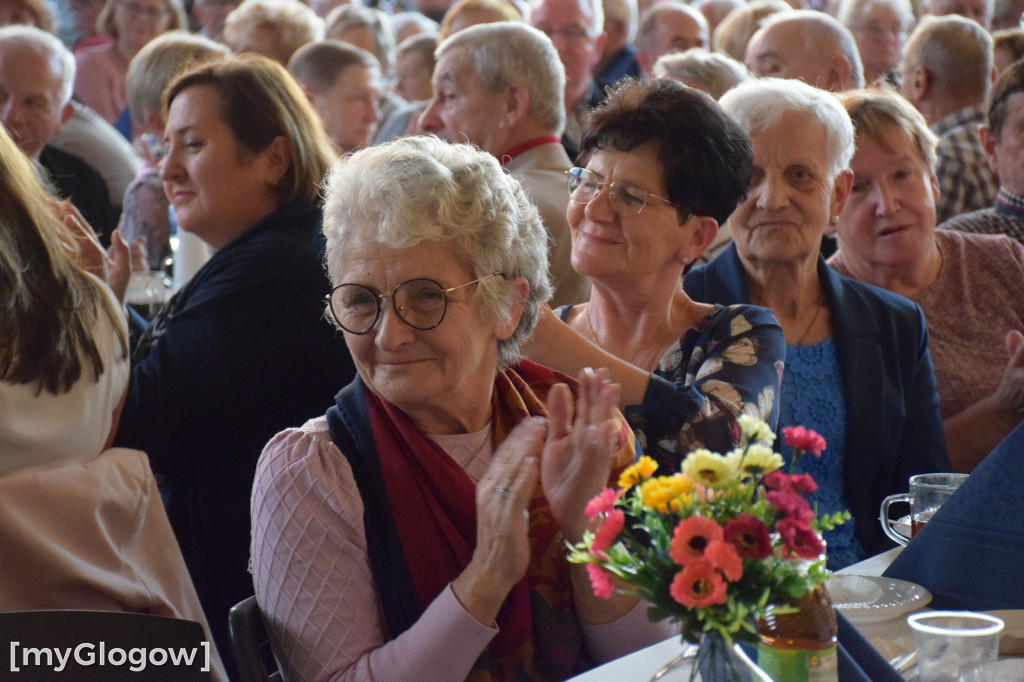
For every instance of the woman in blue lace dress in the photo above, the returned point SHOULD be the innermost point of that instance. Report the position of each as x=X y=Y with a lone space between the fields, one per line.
x=660 y=167
x=857 y=369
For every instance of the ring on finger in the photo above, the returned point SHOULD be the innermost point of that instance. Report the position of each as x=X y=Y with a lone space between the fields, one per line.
x=502 y=490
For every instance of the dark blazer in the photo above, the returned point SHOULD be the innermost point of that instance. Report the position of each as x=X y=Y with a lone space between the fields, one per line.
x=240 y=353
x=74 y=179
x=893 y=428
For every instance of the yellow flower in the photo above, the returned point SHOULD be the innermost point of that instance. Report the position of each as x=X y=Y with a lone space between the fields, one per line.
x=759 y=460
x=755 y=430
x=709 y=469
x=666 y=492
x=641 y=469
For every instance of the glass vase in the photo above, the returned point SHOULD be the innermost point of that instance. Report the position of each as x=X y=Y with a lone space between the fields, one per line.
x=713 y=660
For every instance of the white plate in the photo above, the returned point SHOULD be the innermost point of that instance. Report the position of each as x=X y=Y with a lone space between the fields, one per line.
x=897 y=597
x=902 y=526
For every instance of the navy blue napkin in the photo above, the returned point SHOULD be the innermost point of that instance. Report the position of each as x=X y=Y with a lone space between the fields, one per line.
x=970 y=555
x=858 y=660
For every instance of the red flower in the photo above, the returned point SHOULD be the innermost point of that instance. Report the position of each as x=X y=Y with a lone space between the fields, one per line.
x=723 y=556
x=803 y=483
x=691 y=538
x=776 y=480
x=698 y=585
x=791 y=505
x=602 y=503
x=609 y=530
x=600 y=581
x=750 y=536
x=806 y=440
x=800 y=538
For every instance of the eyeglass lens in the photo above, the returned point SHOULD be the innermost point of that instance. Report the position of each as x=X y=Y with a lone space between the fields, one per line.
x=420 y=303
x=626 y=197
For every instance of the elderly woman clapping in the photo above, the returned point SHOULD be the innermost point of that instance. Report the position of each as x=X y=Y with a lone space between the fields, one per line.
x=417 y=530
x=857 y=364
x=968 y=285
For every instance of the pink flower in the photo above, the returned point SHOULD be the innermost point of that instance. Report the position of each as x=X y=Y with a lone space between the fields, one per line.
x=609 y=530
x=698 y=585
x=723 y=556
x=602 y=503
x=691 y=538
x=600 y=581
x=806 y=440
x=800 y=538
x=750 y=536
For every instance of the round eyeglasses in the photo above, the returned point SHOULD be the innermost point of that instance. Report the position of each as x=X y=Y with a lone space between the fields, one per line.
x=626 y=198
x=420 y=303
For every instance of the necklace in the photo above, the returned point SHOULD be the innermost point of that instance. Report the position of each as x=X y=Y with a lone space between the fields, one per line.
x=485 y=441
x=593 y=334
x=809 y=326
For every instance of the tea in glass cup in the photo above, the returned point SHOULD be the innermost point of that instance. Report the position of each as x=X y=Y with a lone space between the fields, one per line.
x=927 y=493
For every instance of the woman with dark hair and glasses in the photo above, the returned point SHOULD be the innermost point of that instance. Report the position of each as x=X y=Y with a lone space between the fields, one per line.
x=417 y=531
x=661 y=167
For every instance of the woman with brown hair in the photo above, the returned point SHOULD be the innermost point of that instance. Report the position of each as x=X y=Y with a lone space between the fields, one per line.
x=242 y=350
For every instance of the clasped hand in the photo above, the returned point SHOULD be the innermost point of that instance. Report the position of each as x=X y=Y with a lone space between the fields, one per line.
x=570 y=454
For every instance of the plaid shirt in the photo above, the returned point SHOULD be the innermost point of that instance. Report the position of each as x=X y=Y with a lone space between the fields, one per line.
x=1006 y=217
x=966 y=182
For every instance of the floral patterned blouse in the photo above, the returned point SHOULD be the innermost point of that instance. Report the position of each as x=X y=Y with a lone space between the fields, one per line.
x=728 y=364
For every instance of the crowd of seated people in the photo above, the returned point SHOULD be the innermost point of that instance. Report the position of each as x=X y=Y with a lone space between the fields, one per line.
x=870 y=204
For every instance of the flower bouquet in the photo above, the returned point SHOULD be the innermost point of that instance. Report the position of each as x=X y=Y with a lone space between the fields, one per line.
x=714 y=546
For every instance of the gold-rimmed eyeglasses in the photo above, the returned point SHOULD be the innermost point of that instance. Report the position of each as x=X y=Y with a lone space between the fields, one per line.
x=420 y=303
x=625 y=197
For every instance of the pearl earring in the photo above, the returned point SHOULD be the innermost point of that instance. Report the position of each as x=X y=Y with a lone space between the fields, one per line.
x=835 y=220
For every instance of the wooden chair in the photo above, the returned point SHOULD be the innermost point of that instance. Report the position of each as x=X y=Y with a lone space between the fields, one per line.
x=102 y=646
x=250 y=643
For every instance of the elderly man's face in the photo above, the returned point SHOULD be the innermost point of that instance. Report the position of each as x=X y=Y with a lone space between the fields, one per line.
x=30 y=106
x=979 y=10
x=677 y=31
x=462 y=109
x=779 y=51
x=1006 y=154
x=348 y=108
x=571 y=27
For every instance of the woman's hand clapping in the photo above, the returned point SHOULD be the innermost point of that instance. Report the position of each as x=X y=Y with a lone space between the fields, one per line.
x=580 y=446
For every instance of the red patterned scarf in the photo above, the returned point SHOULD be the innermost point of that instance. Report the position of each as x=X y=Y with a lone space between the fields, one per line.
x=434 y=506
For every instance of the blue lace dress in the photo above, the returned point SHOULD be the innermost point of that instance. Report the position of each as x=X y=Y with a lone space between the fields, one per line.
x=812 y=396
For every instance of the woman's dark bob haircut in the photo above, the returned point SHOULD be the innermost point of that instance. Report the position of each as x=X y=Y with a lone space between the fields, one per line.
x=705 y=156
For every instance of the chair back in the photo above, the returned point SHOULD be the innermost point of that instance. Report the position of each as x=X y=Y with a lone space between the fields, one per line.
x=250 y=643
x=103 y=646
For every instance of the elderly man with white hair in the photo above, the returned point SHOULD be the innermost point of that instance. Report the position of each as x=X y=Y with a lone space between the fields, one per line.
x=808 y=45
x=499 y=86
x=576 y=28
x=37 y=74
x=946 y=72
x=666 y=28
